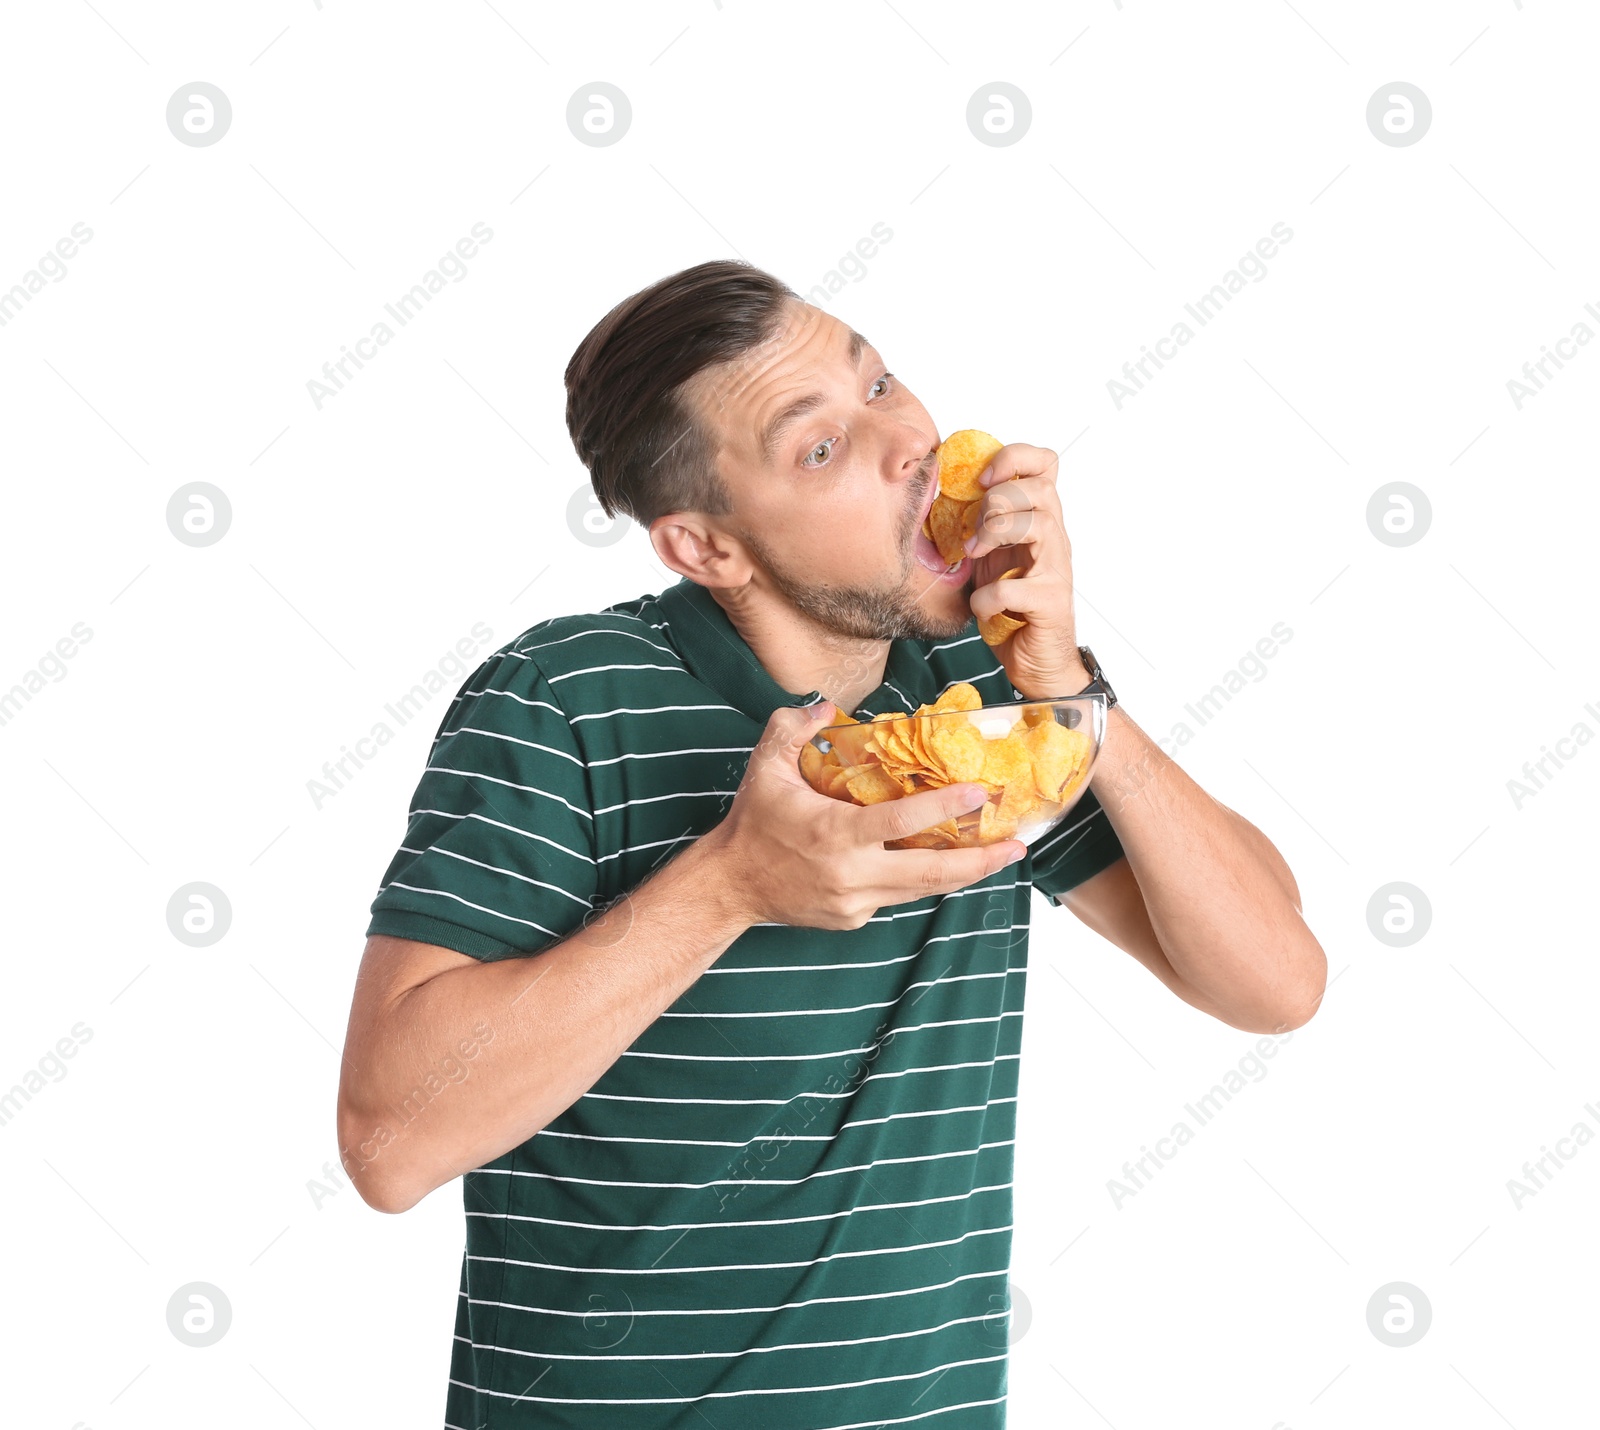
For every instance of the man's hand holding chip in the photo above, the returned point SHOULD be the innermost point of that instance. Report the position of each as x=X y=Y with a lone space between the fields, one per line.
x=1021 y=529
x=793 y=856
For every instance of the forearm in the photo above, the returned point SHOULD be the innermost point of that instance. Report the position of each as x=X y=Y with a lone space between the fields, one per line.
x=544 y=1028
x=1220 y=899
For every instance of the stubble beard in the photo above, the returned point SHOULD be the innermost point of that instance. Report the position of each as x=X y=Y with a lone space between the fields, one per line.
x=886 y=611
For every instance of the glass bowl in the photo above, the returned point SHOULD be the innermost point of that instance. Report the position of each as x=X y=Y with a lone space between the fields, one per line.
x=1034 y=757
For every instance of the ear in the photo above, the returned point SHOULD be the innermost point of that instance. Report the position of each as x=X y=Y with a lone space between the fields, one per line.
x=687 y=543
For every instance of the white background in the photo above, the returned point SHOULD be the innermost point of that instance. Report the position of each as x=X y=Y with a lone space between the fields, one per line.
x=369 y=536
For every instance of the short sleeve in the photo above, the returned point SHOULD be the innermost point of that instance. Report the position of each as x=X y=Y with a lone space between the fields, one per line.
x=1082 y=845
x=498 y=859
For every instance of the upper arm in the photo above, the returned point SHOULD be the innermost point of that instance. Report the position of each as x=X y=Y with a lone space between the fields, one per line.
x=390 y=968
x=498 y=857
x=1112 y=904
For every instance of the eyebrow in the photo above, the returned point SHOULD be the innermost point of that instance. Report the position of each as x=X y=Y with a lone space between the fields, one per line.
x=778 y=428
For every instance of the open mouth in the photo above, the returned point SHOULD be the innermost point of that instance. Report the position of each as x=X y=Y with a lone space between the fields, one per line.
x=927 y=553
x=929 y=559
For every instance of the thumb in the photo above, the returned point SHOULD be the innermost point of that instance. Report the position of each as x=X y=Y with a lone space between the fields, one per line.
x=791 y=726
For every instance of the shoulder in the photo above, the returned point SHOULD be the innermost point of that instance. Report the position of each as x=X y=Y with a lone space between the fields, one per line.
x=586 y=651
x=524 y=696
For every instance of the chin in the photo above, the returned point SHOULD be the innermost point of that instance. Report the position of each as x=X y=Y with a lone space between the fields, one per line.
x=946 y=600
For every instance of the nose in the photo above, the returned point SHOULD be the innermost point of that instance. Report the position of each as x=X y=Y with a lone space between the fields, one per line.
x=917 y=458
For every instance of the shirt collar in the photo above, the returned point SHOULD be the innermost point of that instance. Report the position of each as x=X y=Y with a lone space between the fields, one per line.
x=718 y=656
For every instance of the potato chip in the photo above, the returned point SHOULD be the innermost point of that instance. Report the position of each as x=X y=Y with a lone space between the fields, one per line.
x=1031 y=771
x=1052 y=750
x=852 y=743
x=953 y=518
x=940 y=836
x=833 y=783
x=945 y=523
x=969 y=521
x=872 y=784
x=811 y=761
x=1069 y=791
x=917 y=739
x=999 y=626
x=962 y=458
x=1005 y=763
x=993 y=826
x=893 y=746
x=958 y=749
x=961 y=696
x=1019 y=799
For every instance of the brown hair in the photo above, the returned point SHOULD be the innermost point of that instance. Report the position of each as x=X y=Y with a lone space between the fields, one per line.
x=627 y=410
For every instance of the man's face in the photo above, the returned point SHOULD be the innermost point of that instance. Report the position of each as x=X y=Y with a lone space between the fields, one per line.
x=831 y=464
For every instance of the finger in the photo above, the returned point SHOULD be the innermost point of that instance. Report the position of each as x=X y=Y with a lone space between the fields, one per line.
x=1019 y=512
x=788 y=728
x=896 y=818
x=1019 y=460
x=1035 y=593
x=1001 y=528
x=919 y=873
x=1021 y=493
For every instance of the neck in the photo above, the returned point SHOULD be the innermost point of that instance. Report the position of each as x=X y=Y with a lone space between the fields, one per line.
x=799 y=653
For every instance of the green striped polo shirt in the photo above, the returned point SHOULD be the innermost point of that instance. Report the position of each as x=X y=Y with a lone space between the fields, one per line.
x=790 y=1198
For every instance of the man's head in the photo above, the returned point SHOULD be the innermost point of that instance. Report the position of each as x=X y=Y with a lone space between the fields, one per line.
x=768 y=450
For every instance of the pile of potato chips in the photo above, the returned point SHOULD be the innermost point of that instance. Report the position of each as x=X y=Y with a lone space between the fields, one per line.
x=1032 y=771
x=953 y=517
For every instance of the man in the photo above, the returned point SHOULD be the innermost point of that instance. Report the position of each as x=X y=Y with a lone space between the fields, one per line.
x=731 y=1085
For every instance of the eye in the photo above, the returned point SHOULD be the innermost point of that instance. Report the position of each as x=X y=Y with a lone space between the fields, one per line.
x=825 y=447
x=820 y=454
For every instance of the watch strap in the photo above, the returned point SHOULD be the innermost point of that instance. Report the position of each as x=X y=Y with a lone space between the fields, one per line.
x=1098 y=684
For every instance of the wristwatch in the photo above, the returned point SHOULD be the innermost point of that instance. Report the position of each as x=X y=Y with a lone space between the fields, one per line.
x=1098 y=684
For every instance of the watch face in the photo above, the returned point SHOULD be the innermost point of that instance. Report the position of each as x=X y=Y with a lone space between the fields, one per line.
x=1097 y=679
